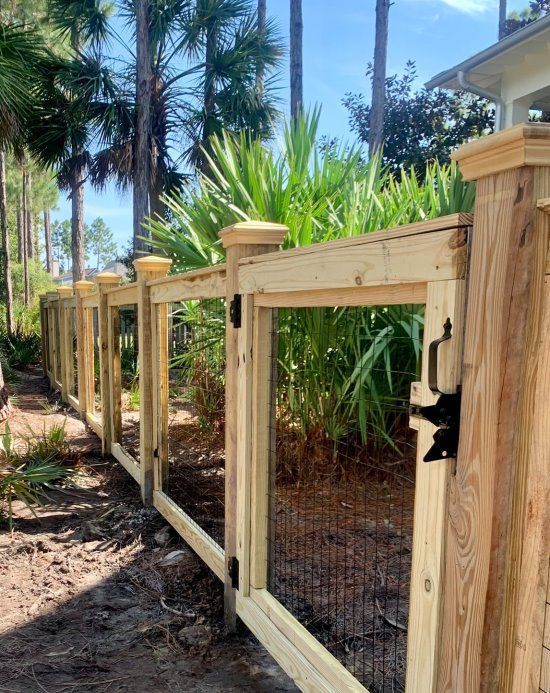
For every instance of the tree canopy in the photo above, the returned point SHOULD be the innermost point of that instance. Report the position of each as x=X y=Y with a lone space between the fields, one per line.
x=423 y=125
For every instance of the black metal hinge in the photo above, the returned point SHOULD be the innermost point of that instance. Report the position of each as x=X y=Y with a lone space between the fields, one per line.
x=235 y=310
x=445 y=413
x=233 y=570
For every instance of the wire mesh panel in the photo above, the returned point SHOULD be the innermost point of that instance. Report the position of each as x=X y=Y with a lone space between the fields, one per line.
x=342 y=481
x=194 y=478
x=129 y=378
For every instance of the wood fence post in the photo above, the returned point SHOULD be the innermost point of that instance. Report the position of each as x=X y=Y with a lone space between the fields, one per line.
x=104 y=281
x=82 y=288
x=147 y=268
x=64 y=292
x=497 y=542
x=43 y=336
x=52 y=327
x=245 y=239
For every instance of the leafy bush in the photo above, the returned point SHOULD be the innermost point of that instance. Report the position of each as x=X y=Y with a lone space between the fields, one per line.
x=22 y=348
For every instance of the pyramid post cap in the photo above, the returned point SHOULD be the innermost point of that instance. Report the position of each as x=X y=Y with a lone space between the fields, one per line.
x=253 y=233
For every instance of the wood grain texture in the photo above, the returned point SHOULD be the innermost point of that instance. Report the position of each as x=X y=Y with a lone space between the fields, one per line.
x=444 y=300
x=300 y=640
x=504 y=272
x=451 y=221
x=115 y=374
x=545 y=672
x=81 y=289
x=245 y=369
x=161 y=394
x=262 y=388
x=193 y=285
x=234 y=254
x=130 y=464
x=95 y=424
x=394 y=294
x=416 y=259
x=305 y=676
x=91 y=301
x=122 y=295
x=147 y=369
x=197 y=539
x=104 y=363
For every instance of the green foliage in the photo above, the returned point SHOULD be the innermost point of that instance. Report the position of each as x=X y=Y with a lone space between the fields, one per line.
x=319 y=194
x=22 y=348
x=31 y=466
x=62 y=244
x=343 y=373
x=420 y=126
x=100 y=244
x=201 y=363
x=517 y=20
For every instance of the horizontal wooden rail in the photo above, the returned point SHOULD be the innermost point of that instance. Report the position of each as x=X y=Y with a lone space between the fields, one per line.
x=393 y=294
x=127 y=461
x=122 y=295
x=199 y=284
x=95 y=424
x=435 y=256
x=210 y=552
x=90 y=301
x=73 y=401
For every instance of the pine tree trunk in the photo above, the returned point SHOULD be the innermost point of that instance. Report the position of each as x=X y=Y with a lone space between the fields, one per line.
x=20 y=229
x=6 y=262
x=296 y=58
x=5 y=407
x=24 y=245
x=77 y=224
x=28 y=216
x=48 y=240
x=142 y=143
x=501 y=19
x=376 y=125
x=262 y=12
x=209 y=94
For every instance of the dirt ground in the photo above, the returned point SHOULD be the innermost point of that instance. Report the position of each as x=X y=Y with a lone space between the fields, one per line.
x=93 y=601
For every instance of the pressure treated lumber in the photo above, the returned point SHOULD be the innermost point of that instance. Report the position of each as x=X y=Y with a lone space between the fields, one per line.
x=122 y=295
x=105 y=281
x=393 y=294
x=147 y=268
x=197 y=539
x=241 y=240
x=199 y=284
x=444 y=300
x=488 y=500
x=433 y=256
x=127 y=461
x=82 y=288
x=64 y=345
x=161 y=393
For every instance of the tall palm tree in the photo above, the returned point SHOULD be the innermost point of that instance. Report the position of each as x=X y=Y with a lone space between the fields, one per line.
x=296 y=58
x=376 y=129
x=501 y=19
x=222 y=48
x=18 y=98
x=66 y=122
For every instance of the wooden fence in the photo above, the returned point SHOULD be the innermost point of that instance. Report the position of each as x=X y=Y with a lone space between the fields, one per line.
x=474 y=614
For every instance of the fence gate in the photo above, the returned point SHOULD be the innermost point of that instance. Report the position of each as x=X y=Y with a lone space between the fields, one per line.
x=341 y=527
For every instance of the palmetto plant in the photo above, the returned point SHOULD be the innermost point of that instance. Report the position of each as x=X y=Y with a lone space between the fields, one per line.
x=28 y=468
x=340 y=369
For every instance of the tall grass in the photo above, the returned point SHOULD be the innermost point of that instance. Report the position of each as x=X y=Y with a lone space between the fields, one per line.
x=354 y=380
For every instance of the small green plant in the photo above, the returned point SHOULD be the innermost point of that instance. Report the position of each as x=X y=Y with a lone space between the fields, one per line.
x=21 y=348
x=28 y=470
x=50 y=407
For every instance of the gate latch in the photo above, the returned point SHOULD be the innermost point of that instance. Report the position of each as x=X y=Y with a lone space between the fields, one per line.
x=445 y=413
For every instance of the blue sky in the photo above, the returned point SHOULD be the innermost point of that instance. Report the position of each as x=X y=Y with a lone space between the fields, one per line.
x=338 y=43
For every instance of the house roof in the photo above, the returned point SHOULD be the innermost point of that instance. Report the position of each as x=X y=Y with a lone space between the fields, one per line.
x=486 y=68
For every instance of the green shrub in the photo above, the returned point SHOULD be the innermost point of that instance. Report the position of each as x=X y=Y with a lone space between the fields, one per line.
x=23 y=347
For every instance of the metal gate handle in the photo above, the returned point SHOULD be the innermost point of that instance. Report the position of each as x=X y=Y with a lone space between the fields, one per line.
x=432 y=357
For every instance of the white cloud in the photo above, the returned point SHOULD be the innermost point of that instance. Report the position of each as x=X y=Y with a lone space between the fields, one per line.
x=472 y=6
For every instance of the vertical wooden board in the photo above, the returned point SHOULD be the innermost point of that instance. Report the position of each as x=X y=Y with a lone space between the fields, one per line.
x=545 y=672
x=531 y=537
x=115 y=374
x=244 y=442
x=261 y=430
x=89 y=359
x=504 y=271
x=546 y=639
x=444 y=300
x=161 y=369
x=104 y=369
